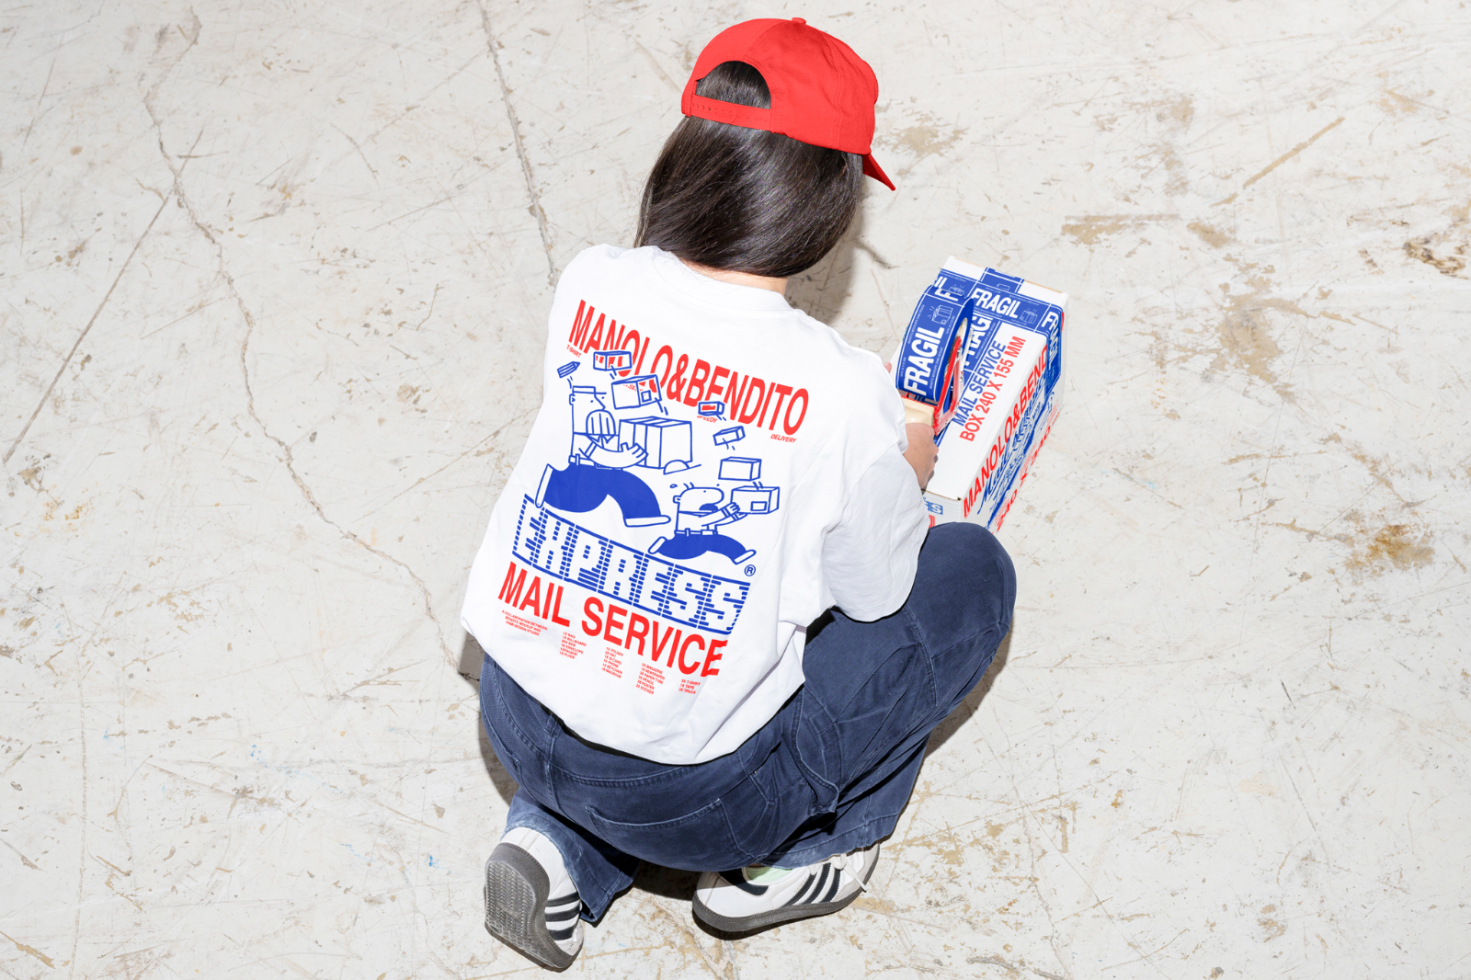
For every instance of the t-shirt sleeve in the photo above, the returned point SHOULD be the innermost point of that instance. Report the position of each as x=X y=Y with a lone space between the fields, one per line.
x=869 y=558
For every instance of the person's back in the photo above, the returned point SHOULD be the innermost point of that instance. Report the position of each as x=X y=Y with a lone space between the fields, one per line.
x=717 y=634
x=660 y=544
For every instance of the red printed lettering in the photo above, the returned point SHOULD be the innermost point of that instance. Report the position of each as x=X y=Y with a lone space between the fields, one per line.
x=695 y=639
x=614 y=611
x=710 y=657
x=667 y=353
x=638 y=628
x=648 y=677
x=659 y=644
x=580 y=321
x=782 y=391
x=533 y=597
x=786 y=422
x=676 y=378
x=734 y=391
x=596 y=626
x=755 y=388
x=695 y=390
x=595 y=342
x=511 y=591
x=717 y=387
x=631 y=340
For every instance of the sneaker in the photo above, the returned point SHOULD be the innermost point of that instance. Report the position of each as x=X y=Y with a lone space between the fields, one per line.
x=531 y=904
x=757 y=896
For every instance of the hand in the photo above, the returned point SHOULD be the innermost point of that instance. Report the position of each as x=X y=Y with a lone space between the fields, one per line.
x=921 y=453
x=628 y=455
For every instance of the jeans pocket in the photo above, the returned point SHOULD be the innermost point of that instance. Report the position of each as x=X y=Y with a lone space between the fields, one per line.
x=698 y=841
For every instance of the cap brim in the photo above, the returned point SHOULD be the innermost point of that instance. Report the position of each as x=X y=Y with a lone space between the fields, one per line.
x=872 y=169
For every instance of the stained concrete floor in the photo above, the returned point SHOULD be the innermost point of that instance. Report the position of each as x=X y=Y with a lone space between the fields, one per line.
x=274 y=281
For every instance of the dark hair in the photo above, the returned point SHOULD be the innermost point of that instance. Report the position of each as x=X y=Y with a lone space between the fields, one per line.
x=745 y=199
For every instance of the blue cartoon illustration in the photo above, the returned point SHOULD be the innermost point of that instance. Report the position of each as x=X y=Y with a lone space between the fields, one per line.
x=703 y=509
x=700 y=513
x=612 y=360
x=727 y=437
x=668 y=444
x=597 y=467
x=608 y=449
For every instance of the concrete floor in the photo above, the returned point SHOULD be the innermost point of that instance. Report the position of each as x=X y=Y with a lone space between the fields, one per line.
x=273 y=281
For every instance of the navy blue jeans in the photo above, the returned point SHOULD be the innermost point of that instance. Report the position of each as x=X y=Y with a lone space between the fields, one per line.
x=829 y=773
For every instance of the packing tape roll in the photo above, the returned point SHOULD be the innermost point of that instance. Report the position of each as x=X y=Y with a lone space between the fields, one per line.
x=928 y=368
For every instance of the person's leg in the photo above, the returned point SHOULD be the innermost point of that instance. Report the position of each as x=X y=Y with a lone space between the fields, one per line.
x=575 y=489
x=639 y=505
x=875 y=691
x=683 y=547
x=519 y=733
x=731 y=548
x=598 y=870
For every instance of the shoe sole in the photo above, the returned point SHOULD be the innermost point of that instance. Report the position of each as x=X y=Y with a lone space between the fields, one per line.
x=516 y=890
x=763 y=920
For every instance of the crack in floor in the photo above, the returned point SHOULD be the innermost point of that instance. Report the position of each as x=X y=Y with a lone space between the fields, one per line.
x=537 y=210
x=40 y=403
x=288 y=458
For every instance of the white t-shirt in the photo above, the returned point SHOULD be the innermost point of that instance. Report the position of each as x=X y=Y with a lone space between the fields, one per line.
x=710 y=470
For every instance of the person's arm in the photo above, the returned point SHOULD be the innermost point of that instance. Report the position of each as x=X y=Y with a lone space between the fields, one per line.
x=921 y=452
x=919 y=429
x=869 y=558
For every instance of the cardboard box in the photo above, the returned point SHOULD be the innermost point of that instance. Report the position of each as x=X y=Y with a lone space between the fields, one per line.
x=664 y=440
x=636 y=392
x=1010 y=383
x=612 y=360
x=740 y=468
x=730 y=436
x=756 y=499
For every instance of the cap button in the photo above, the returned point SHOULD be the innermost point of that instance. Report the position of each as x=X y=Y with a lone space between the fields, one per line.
x=799 y=20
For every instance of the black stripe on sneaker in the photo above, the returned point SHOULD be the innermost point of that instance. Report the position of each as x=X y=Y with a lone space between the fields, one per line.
x=805 y=885
x=837 y=876
x=561 y=935
x=563 y=908
x=821 y=880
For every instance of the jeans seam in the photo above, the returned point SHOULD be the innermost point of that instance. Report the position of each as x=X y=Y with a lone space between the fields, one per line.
x=812 y=774
x=514 y=729
x=527 y=744
x=861 y=830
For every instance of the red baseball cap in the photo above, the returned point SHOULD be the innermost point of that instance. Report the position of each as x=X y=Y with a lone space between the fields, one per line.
x=821 y=92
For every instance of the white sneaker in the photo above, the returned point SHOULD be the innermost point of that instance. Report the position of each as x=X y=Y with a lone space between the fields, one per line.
x=757 y=896
x=531 y=903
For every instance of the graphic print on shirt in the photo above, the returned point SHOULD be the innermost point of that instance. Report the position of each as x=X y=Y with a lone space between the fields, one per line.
x=610 y=454
x=703 y=509
x=598 y=461
x=642 y=541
